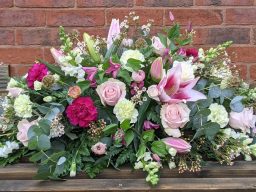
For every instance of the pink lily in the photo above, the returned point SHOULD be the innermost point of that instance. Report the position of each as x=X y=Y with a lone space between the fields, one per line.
x=113 y=32
x=91 y=72
x=113 y=68
x=57 y=55
x=159 y=48
x=172 y=90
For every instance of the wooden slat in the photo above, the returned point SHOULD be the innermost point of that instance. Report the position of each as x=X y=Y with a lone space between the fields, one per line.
x=211 y=170
x=166 y=184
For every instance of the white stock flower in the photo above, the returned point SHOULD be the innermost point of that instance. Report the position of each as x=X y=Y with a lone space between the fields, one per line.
x=171 y=165
x=12 y=83
x=218 y=115
x=172 y=151
x=125 y=109
x=23 y=106
x=8 y=148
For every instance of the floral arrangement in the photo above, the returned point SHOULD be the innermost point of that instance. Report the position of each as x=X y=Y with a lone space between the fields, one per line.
x=146 y=101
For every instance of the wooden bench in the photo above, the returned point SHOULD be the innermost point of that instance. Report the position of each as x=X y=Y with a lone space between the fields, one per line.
x=213 y=177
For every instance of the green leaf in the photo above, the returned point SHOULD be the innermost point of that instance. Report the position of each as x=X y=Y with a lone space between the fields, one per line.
x=110 y=129
x=52 y=113
x=129 y=136
x=124 y=74
x=45 y=125
x=174 y=32
x=84 y=85
x=33 y=131
x=53 y=68
x=61 y=160
x=142 y=150
x=159 y=148
x=236 y=104
x=214 y=92
x=148 y=135
x=211 y=129
x=44 y=142
x=163 y=39
x=36 y=157
x=125 y=125
x=134 y=64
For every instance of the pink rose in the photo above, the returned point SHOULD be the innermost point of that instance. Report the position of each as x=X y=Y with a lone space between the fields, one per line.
x=14 y=92
x=173 y=117
x=23 y=127
x=99 y=148
x=138 y=76
x=111 y=91
x=180 y=145
x=244 y=120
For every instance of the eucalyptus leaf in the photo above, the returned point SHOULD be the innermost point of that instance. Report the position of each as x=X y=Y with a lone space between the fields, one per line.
x=236 y=104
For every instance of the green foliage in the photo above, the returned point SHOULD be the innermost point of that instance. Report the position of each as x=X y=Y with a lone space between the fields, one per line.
x=159 y=148
x=134 y=64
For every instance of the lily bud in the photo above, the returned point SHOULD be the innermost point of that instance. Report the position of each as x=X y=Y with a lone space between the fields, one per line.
x=180 y=145
x=157 y=70
x=73 y=169
x=90 y=45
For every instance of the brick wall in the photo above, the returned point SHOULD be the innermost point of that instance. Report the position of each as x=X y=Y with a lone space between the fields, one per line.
x=28 y=28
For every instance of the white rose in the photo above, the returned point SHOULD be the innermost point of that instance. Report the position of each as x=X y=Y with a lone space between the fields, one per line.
x=187 y=70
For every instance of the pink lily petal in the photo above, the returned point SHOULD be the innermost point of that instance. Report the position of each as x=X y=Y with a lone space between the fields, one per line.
x=113 y=32
x=173 y=80
x=189 y=84
x=113 y=68
x=91 y=72
x=189 y=95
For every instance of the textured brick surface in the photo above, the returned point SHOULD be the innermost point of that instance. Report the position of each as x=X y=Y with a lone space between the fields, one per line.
x=28 y=28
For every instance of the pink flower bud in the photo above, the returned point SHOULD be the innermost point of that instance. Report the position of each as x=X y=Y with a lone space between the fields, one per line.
x=179 y=144
x=99 y=148
x=156 y=70
x=138 y=76
x=156 y=157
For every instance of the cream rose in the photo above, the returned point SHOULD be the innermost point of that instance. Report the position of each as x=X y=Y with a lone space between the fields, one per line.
x=173 y=117
x=111 y=91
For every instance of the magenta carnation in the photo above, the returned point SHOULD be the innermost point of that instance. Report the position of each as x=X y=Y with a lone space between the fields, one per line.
x=82 y=112
x=36 y=73
x=192 y=52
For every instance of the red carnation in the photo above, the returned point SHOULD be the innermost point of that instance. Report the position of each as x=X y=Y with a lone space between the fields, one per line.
x=192 y=52
x=82 y=112
x=36 y=73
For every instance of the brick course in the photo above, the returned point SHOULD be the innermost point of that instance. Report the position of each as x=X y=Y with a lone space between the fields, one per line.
x=28 y=28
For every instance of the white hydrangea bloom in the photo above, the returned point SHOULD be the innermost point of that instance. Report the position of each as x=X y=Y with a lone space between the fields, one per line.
x=23 y=106
x=218 y=115
x=125 y=109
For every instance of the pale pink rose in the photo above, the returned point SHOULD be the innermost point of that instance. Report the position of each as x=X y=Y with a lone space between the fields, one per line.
x=99 y=148
x=153 y=92
x=174 y=116
x=244 y=120
x=111 y=91
x=138 y=76
x=23 y=127
x=14 y=92
x=180 y=145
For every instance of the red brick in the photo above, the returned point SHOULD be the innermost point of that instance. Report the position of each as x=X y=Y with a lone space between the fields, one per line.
x=145 y=15
x=22 y=18
x=220 y=35
x=241 y=16
x=48 y=56
x=224 y=2
x=6 y=37
x=44 y=3
x=253 y=72
x=242 y=54
x=196 y=16
x=20 y=55
x=80 y=18
x=37 y=36
x=102 y=32
x=105 y=3
x=164 y=3
x=6 y=3
x=18 y=70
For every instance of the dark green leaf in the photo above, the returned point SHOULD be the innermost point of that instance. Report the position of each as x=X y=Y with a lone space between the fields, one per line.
x=125 y=125
x=84 y=85
x=148 y=135
x=129 y=136
x=44 y=142
x=159 y=148
x=110 y=129
x=134 y=64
